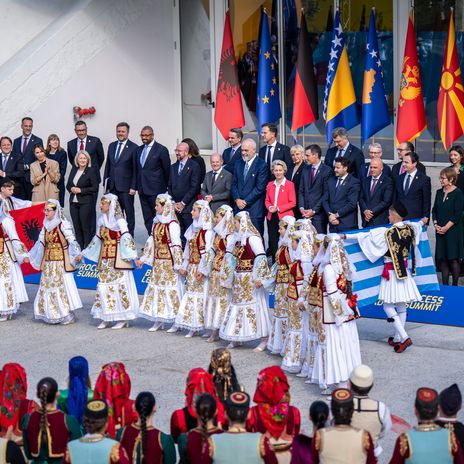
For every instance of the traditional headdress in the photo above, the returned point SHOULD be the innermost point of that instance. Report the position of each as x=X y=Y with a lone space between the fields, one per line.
x=336 y=256
x=96 y=409
x=168 y=213
x=288 y=222
x=110 y=219
x=13 y=381
x=59 y=215
x=304 y=250
x=225 y=226
x=78 y=388
x=450 y=400
x=247 y=229
x=203 y=222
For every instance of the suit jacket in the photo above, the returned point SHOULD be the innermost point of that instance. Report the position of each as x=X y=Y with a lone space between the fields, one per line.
x=14 y=167
x=378 y=201
x=28 y=156
x=310 y=195
x=88 y=183
x=396 y=170
x=62 y=159
x=281 y=152
x=93 y=147
x=229 y=162
x=46 y=188
x=153 y=177
x=121 y=175
x=220 y=190
x=354 y=154
x=286 y=199
x=419 y=197
x=253 y=188
x=364 y=171
x=184 y=186
x=343 y=201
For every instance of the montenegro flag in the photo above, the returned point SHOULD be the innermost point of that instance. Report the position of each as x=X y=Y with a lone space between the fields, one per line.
x=450 y=106
x=411 y=113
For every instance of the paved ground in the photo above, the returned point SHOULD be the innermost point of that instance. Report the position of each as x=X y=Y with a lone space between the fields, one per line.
x=159 y=361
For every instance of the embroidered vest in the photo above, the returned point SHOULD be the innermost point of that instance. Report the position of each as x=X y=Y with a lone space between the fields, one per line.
x=131 y=440
x=401 y=239
x=53 y=246
x=429 y=447
x=283 y=263
x=342 y=445
x=161 y=239
x=219 y=246
x=109 y=245
x=196 y=247
x=83 y=451
x=233 y=448
x=366 y=416
x=296 y=276
x=245 y=257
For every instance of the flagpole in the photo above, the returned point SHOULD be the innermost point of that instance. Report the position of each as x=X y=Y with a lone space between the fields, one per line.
x=281 y=67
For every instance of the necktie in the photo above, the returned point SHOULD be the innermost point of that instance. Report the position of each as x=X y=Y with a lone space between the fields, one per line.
x=245 y=170
x=408 y=184
x=313 y=173
x=25 y=145
x=339 y=182
x=339 y=155
x=81 y=145
x=373 y=185
x=232 y=153
x=181 y=166
x=118 y=152
x=143 y=156
x=4 y=161
x=214 y=178
x=269 y=156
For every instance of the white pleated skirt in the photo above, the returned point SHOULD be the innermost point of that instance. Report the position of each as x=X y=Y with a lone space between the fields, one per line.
x=398 y=291
x=217 y=302
x=278 y=320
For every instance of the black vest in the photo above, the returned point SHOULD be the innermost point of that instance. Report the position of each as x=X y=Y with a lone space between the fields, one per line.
x=401 y=239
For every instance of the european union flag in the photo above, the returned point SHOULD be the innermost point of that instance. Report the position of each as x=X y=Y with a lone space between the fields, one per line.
x=268 y=104
x=339 y=109
x=375 y=114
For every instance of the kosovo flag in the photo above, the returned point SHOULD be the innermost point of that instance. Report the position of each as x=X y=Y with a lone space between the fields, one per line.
x=268 y=104
x=374 y=102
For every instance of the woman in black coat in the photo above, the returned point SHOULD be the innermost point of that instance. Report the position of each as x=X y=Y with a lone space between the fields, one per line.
x=82 y=187
x=194 y=152
x=294 y=173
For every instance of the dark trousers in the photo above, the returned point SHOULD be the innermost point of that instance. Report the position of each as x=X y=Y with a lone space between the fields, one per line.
x=147 y=202
x=26 y=186
x=84 y=226
x=320 y=222
x=185 y=221
x=258 y=222
x=127 y=205
x=273 y=235
x=62 y=190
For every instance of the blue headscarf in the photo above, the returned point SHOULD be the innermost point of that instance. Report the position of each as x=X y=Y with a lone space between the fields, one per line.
x=78 y=389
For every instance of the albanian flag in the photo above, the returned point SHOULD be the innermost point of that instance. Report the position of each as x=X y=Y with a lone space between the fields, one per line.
x=229 y=110
x=305 y=103
x=28 y=223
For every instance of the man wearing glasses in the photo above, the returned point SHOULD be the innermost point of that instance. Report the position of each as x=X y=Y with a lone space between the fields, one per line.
x=375 y=152
x=398 y=168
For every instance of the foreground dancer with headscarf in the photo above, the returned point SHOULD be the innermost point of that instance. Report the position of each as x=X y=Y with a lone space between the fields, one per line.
x=56 y=254
x=247 y=317
x=223 y=372
x=199 y=237
x=113 y=248
x=163 y=252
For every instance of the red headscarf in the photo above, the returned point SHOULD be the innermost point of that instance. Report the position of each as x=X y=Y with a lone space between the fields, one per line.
x=113 y=385
x=272 y=397
x=198 y=382
x=13 y=381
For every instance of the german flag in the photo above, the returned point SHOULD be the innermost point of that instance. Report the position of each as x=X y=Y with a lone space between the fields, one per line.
x=450 y=104
x=305 y=102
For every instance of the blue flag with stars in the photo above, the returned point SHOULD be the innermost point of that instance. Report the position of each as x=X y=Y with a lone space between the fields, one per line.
x=375 y=114
x=268 y=104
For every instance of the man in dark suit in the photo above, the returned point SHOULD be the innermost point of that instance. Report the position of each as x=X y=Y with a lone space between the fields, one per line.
x=344 y=149
x=341 y=198
x=184 y=183
x=12 y=166
x=249 y=184
x=273 y=150
x=313 y=185
x=24 y=145
x=398 y=168
x=120 y=177
x=92 y=145
x=153 y=167
x=375 y=151
x=234 y=152
x=217 y=184
x=376 y=196
x=414 y=189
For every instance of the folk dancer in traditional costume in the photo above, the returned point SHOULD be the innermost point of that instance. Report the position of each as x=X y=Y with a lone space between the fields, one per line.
x=219 y=296
x=427 y=443
x=12 y=253
x=450 y=400
x=199 y=241
x=163 y=252
x=280 y=276
x=9 y=201
x=247 y=317
x=300 y=269
x=113 y=248
x=397 y=286
x=338 y=351
x=56 y=254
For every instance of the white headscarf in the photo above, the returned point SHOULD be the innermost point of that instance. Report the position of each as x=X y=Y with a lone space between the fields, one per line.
x=247 y=229
x=303 y=251
x=110 y=219
x=225 y=226
x=50 y=224
x=203 y=221
x=168 y=213
x=335 y=255
x=285 y=240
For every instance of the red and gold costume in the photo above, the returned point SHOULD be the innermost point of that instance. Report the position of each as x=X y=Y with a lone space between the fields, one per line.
x=193 y=449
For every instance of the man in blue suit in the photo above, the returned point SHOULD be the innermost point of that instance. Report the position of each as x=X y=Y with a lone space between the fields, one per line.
x=341 y=198
x=120 y=177
x=375 y=151
x=234 y=152
x=249 y=184
x=273 y=150
x=24 y=145
x=153 y=168
x=184 y=183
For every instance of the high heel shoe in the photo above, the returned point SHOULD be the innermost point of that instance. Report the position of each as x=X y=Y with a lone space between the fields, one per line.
x=172 y=330
x=261 y=347
x=103 y=325
x=120 y=325
x=190 y=334
x=156 y=326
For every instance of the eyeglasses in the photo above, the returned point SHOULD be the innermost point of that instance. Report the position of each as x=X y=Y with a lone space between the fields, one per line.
x=48 y=210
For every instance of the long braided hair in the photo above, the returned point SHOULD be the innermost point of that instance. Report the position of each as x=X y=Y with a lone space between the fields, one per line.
x=206 y=410
x=47 y=389
x=144 y=404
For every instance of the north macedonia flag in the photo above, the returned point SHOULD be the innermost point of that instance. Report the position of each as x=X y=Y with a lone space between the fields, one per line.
x=450 y=106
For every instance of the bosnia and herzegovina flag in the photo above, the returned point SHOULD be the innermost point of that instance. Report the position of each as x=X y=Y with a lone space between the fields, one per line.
x=375 y=114
x=339 y=108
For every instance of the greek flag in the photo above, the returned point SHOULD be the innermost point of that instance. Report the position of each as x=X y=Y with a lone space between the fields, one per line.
x=366 y=280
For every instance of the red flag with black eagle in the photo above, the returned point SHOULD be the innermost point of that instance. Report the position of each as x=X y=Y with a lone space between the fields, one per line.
x=229 y=110
x=28 y=224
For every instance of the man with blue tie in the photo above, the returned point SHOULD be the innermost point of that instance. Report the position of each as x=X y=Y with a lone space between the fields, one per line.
x=153 y=168
x=273 y=150
x=234 y=152
x=249 y=184
x=120 y=177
